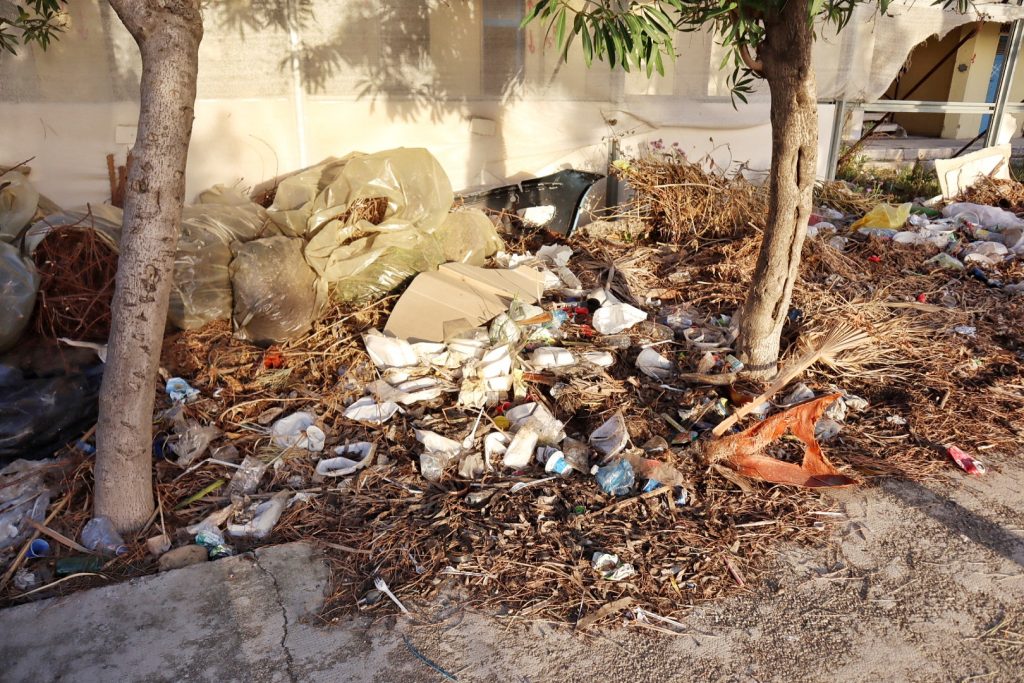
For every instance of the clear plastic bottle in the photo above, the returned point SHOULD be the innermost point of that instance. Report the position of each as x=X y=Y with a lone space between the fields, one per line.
x=100 y=535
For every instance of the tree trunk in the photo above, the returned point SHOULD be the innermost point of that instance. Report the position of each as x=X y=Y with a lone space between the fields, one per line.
x=785 y=56
x=168 y=34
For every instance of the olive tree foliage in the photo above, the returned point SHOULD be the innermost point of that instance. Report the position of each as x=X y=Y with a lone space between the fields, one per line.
x=763 y=39
x=36 y=21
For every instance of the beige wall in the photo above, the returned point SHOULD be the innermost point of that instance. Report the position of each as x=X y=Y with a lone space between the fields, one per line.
x=971 y=85
x=935 y=88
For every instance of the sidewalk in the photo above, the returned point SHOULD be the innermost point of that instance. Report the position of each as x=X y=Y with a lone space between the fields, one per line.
x=925 y=583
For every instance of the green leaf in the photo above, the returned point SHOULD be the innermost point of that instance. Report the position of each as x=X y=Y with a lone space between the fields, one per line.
x=613 y=45
x=660 y=18
x=588 y=47
x=657 y=63
x=560 y=34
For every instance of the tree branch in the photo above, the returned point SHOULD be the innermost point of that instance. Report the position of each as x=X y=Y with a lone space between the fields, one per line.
x=754 y=65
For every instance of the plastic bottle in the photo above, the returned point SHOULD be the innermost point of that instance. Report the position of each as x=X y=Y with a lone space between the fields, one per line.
x=100 y=535
x=616 y=478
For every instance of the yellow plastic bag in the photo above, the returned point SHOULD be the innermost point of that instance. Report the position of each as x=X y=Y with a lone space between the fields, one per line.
x=884 y=216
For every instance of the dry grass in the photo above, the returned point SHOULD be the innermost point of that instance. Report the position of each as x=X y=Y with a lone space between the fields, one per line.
x=1007 y=194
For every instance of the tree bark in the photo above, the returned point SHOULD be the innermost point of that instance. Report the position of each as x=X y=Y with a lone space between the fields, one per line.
x=168 y=33
x=785 y=56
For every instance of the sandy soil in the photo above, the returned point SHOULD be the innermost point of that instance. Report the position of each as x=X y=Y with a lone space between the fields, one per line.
x=921 y=583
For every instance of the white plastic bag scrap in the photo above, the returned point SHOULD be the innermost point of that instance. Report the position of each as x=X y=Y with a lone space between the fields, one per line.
x=611 y=568
x=653 y=364
x=611 y=437
x=18 y=294
x=602 y=359
x=556 y=254
x=370 y=411
x=800 y=393
x=389 y=352
x=298 y=431
x=18 y=202
x=616 y=317
x=987 y=253
x=342 y=466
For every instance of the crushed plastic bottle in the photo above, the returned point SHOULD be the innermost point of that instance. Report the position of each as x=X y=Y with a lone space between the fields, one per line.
x=100 y=535
x=616 y=478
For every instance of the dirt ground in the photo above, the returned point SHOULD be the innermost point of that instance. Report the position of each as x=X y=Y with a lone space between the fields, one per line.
x=920 y=583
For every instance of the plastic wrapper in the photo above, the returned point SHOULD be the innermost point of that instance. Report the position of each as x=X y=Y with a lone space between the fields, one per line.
x=19 y=284
x=23 y=493
x=361 y=259
x=18 y=202
x=202 y=279
x=276 y=294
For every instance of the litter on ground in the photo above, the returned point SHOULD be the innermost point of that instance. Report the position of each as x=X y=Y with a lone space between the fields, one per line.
x=436 y=393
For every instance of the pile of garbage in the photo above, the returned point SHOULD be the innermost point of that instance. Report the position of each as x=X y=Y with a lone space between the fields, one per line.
x=348 y=229
x=968 y=237
x=531 y=420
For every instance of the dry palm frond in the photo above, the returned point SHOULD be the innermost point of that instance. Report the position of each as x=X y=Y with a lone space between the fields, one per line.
x=825 y=348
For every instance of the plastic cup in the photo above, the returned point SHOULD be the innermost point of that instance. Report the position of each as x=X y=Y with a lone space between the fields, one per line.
x=38 y=548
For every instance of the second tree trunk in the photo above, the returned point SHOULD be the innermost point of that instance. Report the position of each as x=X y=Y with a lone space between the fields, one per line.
x=785 y=56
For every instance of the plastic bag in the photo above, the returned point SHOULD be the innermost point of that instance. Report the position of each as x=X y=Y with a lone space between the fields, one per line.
x=884 y=216
x=990 y=217
x=468 y=237
x=202 y=281
x=39 y=415
x=104 y=219
x=360 y=259
x=277 y=295
x=20 y=283
x=18 y=202
x=23 y=493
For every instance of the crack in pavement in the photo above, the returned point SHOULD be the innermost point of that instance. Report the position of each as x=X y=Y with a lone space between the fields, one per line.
x=289 y=662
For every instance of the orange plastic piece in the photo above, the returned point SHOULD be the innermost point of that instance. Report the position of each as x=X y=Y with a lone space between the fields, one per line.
x=742 y=451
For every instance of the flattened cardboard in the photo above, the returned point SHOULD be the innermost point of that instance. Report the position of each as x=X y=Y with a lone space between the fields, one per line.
x=459 y=297
x=956 y=175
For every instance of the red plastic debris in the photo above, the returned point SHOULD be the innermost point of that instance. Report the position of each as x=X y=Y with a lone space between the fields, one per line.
x=587 y=331
x=273 y=360
x=743 y=451
x=875 y=259
x=921 y=298
x=968 y=464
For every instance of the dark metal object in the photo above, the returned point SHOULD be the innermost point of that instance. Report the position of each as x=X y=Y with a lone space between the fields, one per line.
x=564 y=191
